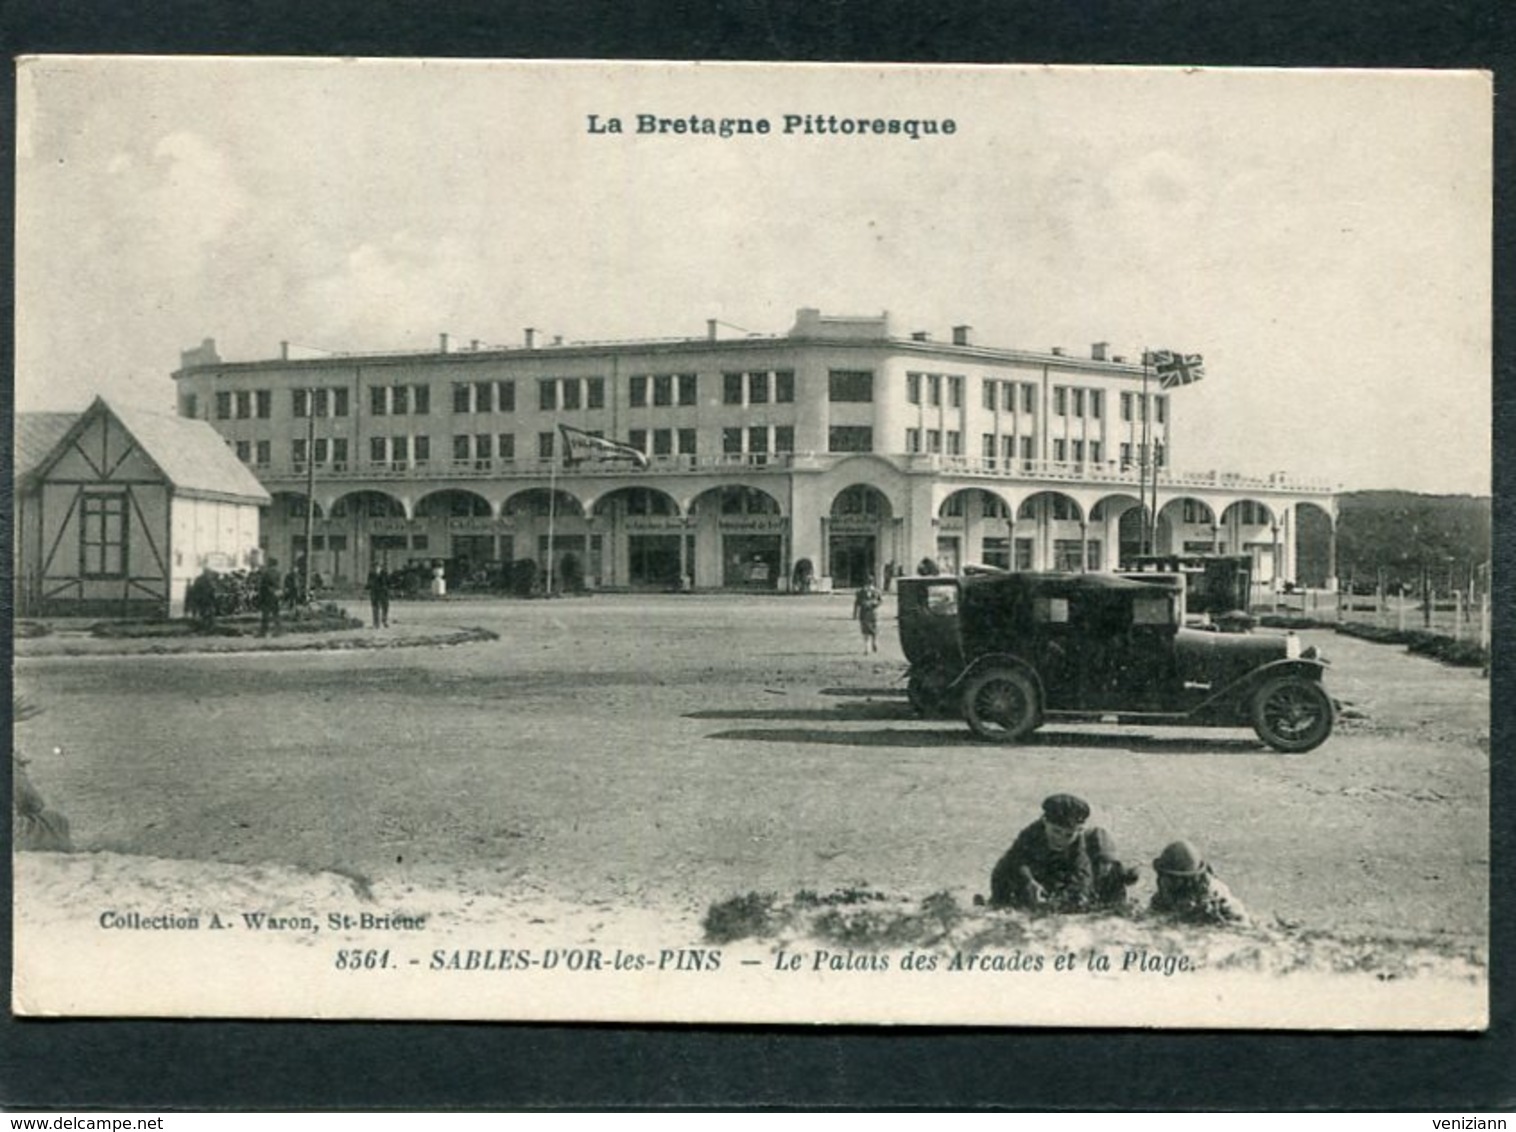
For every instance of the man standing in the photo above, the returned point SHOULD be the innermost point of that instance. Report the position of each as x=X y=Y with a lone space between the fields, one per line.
x=379 y=595
x=268 y=598
x=1059 y=864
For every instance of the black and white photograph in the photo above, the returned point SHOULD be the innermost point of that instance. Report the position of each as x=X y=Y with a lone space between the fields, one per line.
x=655 y=542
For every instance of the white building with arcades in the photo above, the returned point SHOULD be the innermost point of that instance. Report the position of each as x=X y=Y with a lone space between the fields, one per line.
x=841 y=442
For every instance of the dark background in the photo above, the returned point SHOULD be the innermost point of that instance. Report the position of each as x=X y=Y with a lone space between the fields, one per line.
x=78 y=1065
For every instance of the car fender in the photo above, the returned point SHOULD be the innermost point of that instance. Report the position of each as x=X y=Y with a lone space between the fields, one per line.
x=999 y=660
x=1239 y=692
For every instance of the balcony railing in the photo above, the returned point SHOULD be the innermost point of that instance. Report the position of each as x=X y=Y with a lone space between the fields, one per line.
x=1042 y=471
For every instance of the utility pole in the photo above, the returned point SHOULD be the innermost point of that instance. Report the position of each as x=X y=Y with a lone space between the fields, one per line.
x=310 y=488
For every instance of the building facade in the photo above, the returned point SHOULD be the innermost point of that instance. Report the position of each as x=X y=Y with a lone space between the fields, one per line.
x=840 y=443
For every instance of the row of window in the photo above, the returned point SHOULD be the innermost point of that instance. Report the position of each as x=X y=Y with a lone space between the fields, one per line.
x=668 y=389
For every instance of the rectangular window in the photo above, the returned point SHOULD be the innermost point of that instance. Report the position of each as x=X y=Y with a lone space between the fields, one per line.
x=244 y=405
x=546 y=445
x=987 y=393
x=784 y=438
x=637 y=438
x=547 y=395
x=378 y=448
x=731 y=389
x=663 y=442
x=1078 y=451
x=421 y=401
x=758 y=438
x=1060 y=401
x=339 y=450
x=851 y=385
x=1126 y=406
x=573 y=393
x=1143 y=408
x=934 y=389
x=987 y=446
x=686 y=438
x=1028 y=448
x=594 y=389
x=757 y=389
x=913 y=388
x=913 y=440
x=1126 y=455
x=663 y=390
x=1060 y=451
x=461 y=447
x=224 y=405
x=1097 y=403
x=244 y=450
x=731 y=441
x=400 y=449
x=1160 y=457
x=955 y=392
x=1007 y=448
x=265 y=404
x=688 y=388
x=400 y=400
x=1163 y=409
x=461 y=399
x=263 y=452
x=934 y=441
x=297 y=451
x=484 y=447
x=323 y=447
x=378 y=401
x=954 y=443
x=189 y=406
x=784 y=386
x=339 y=402
x=506 y=391
x=320 y=401
x=484 y=396
x=505 y=445
x=639 y=391
x=102 y=535
x=1029 y=399
x=1079 y=402
x=1095 y=451
x=851 y=438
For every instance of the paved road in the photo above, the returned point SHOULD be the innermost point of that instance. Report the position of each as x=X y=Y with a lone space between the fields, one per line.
x=695 y=747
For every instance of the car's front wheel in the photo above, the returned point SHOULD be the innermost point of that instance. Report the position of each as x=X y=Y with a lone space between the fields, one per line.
x=1292 y=714
x=1001 y=705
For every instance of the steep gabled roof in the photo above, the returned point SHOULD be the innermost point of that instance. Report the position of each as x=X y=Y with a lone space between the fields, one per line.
x=191 y=454
x=37 y=434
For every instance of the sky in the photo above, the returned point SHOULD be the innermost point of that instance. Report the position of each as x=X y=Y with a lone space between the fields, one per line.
x=1321 y=238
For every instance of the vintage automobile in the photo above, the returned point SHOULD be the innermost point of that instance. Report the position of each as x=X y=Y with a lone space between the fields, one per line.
x=1010 y=651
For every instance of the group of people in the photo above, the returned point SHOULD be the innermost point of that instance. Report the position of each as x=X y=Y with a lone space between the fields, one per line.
x=1060 y=863
x=211 y=595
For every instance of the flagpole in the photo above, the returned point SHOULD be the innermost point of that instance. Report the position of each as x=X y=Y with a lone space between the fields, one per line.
x=552 y=509
x=1142 y=464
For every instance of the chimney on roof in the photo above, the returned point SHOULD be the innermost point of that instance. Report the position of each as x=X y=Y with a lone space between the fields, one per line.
x=284 y=350
x=920 y=336
x=710 y=329
x=1098 y=349
x=474 y=345
x=1057 y=351
x=531 y=337
x=961 y=335
x=557 y=339
x=442 y=343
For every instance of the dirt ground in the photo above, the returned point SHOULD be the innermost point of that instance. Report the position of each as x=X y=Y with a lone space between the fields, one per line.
x=668 y=752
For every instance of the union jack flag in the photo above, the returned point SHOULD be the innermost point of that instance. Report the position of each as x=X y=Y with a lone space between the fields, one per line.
x=1173 y=368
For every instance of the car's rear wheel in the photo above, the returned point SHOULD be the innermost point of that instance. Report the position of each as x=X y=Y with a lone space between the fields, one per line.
x=1001 y=705
x=1292 y=714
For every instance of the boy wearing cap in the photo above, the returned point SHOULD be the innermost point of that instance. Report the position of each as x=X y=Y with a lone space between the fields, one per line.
x=1188 y=890
x=1059 y=864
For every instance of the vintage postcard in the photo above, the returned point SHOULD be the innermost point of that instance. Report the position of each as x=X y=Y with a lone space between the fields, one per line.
x=761 y=543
